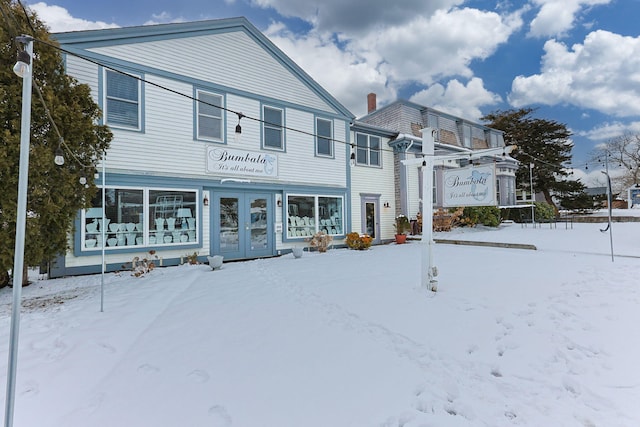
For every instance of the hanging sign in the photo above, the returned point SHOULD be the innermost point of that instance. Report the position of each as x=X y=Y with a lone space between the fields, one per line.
x=470 y=186
x=241 y=162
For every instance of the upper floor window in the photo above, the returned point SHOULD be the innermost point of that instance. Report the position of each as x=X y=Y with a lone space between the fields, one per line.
x=324 y=137
x=210 y=118
x=273 y=132
x=367 y=150
x=122 y=103
x=466 y=131
x=494 y=140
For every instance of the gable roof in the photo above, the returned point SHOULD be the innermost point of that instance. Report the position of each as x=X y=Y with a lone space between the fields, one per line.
x=82 y=41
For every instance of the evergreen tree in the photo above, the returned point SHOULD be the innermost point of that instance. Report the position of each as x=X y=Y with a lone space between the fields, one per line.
x=54 y=192
x=545 y=143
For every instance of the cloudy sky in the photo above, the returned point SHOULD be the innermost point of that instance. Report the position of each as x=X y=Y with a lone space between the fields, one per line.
x=576 y=61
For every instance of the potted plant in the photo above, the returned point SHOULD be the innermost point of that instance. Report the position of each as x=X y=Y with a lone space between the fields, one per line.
x=402 y=226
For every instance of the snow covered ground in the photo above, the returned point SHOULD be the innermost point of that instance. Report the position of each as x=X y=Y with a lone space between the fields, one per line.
x=513 y=337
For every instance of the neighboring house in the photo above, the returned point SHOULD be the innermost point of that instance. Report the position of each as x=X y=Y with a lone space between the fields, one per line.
x=398 y=126
x=178 y=179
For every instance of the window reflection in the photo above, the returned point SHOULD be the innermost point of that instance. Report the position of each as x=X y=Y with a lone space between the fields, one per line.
x=306 y=215
x=133 y=219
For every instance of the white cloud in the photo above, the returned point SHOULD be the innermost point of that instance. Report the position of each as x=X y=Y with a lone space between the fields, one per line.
x=556 y=17
x=610 y=130
x=59 y=20
x=345 y=74
x=385 y=60
x=356 y=17
x=602 y=74
x=458 y=99
x=162 y=18
x=426 y=49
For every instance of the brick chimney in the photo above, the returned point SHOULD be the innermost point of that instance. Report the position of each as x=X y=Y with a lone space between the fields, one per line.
x=371 y=103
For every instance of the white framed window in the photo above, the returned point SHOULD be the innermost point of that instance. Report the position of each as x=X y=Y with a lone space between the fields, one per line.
x=273 y=128
x=210 y=117
x=324 y=137
x=138 y=217
x=367 y=150
x=122 y=104
x=308 y=214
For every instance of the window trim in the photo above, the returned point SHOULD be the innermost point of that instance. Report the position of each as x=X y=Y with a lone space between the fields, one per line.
x=369 y=150
x=197 y=115
x=266 y=125
x=331 y=155
x=106 y=98
x=316 y=198
x=81 y=248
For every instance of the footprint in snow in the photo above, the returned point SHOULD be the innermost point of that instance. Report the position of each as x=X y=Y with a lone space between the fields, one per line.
x=148 y=369
x=199 y=376
x=221 y=417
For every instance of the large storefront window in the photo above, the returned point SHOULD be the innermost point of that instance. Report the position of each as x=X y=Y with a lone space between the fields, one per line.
x=140 y=217
x=306 y=215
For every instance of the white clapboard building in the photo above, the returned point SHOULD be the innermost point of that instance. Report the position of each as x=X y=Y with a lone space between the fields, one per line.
x=222 y=146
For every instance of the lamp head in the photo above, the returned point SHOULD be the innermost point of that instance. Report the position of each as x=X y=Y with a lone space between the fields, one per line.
x=22 y=64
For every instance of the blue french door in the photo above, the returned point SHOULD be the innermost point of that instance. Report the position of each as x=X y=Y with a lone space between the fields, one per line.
x=242 y=225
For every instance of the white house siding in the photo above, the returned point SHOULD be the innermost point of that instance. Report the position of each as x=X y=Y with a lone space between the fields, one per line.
x=300 y=164
x=85 y=72
x=231 y=59
x=167 y=143
x=379 y=181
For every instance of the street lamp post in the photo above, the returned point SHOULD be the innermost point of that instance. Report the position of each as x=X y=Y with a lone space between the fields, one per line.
x=24 y=69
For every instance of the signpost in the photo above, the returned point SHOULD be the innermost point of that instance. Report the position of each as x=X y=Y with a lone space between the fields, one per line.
x=476 y=185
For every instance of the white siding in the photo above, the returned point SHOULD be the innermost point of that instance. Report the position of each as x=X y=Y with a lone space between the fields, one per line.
x=85 y=72
x=373 y=180
x=167 y=144
x=299 y=164
x=219 y=58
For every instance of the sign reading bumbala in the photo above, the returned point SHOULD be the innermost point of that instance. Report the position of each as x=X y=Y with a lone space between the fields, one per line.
x=241 y=162
x=471 y=186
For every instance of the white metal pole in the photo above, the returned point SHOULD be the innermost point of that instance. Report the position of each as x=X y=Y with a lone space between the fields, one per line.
x=429 y=272
x=103 y=231
x=21 y=225
x=609 y=202
x=533 y=216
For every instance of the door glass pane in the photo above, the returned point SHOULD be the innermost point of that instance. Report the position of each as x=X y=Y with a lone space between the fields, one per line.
x=258 y=224
x=370 y=226
x=229 y=239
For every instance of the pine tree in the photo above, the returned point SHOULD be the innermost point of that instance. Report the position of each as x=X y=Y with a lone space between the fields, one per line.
x=54 y=192
x=546 y=144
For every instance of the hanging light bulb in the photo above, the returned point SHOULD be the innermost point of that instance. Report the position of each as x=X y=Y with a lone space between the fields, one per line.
x=353 y=159
x=22 y=64
x=83 y=178
x=238 y=133
x=59 y=157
